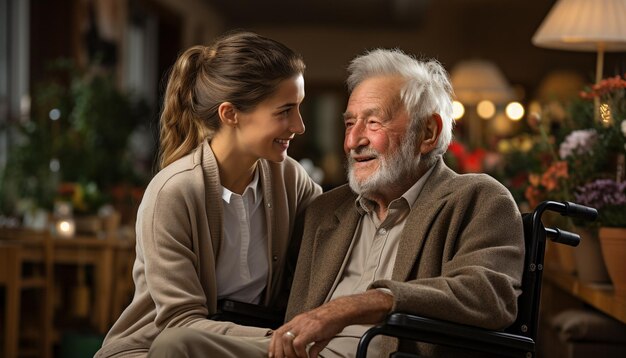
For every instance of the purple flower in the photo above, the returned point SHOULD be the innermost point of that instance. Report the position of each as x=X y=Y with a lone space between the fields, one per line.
x=578 y=142
x=601 y=193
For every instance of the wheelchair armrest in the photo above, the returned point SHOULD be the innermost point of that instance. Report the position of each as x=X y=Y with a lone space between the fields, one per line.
x=422 y=329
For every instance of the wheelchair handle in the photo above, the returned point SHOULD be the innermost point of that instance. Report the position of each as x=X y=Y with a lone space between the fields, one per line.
x=562 y=236
x=567 y=208
x=580 y=211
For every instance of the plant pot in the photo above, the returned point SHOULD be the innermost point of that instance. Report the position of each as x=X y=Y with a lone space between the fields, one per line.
x=588 y=258
x=613 y=243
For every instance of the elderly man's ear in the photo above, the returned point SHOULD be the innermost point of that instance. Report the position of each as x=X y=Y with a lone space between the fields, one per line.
x=431 y=133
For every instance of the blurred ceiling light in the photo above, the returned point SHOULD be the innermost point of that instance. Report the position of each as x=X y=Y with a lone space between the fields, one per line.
x=457 y=110
x=585 y=25
x=514 y=110
x=477 y=80
x=485 y=109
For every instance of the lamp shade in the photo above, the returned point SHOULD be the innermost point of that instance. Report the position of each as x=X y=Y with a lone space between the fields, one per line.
x=477 y=80
x=584 y=25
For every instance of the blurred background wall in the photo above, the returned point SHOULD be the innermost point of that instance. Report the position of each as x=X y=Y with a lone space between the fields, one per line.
x=138 y=40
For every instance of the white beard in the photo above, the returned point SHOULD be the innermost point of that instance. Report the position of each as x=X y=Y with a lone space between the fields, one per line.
x=394 y=168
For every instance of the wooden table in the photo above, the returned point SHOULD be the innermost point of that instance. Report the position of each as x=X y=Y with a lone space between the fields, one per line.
x=99 y=253
x=85 y=250
x=600 y=296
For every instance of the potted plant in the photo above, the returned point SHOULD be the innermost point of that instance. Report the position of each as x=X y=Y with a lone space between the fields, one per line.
x=582 y=160
x=75 y=145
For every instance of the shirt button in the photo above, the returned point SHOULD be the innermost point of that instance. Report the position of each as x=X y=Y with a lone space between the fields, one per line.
x=269 y=205
x=382 y=231
x=275 y=258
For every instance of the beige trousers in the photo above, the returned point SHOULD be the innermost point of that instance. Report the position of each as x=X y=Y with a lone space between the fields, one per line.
x=191 y=342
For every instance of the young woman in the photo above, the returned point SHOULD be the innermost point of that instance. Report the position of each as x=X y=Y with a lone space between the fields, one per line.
x=217 y=220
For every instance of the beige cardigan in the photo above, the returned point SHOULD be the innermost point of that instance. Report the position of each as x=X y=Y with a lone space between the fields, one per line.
x=179 y=232
x=460 y=257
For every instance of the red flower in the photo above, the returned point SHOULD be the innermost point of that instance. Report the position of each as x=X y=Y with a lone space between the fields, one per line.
x=66 y=189
x=605 y=86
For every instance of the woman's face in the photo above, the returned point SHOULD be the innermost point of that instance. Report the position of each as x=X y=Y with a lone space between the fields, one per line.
x=265 y=132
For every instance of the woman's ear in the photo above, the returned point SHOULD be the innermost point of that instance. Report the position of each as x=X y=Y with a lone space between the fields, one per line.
x=431 y=133
x=228 y=114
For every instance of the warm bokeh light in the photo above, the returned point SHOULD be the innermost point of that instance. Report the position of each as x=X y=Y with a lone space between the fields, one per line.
x=486 y=109
x=605 y=113
x=514 y=111
x=457 y=110
x=65 y=228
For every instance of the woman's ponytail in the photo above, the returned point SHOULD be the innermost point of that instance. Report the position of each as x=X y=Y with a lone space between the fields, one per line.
x=181 y=129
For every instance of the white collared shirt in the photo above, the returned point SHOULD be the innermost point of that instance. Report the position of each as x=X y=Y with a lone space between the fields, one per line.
x=242 y=265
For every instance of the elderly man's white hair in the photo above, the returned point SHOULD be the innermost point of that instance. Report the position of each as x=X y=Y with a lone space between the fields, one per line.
x=427 y=89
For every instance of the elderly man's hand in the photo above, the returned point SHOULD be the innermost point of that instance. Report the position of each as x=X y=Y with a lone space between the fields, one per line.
x=315 y=328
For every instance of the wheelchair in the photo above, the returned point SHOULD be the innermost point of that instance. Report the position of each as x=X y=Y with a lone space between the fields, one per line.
x=518 y=340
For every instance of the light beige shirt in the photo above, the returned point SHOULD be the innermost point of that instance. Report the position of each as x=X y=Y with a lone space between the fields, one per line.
x=371 y=257
x=242 y=267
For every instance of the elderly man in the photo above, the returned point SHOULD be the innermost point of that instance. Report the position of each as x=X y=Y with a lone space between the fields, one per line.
x=407 y=234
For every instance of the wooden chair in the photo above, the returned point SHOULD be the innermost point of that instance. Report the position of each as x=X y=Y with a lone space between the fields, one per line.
x=25 y=265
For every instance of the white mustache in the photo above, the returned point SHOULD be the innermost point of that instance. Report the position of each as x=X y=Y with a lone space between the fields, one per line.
x=363 y=151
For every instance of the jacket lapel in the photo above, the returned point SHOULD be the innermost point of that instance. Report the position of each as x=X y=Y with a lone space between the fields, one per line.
x=273 y=240
x=333 y=238
x=213 y=191
x=423 y=214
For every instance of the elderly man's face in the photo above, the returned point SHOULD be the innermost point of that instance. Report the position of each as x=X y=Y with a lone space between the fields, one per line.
x=376 y=125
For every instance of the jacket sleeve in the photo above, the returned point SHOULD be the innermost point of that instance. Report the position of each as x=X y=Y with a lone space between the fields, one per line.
x=481 y=263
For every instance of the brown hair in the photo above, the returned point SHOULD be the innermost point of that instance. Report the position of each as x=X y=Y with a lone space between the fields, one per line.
x=242 y=68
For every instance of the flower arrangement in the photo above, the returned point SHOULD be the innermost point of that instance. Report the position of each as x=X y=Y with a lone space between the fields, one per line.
x=463 y=160
x=606 y=195
x=583 y=159
x=519 y=156
x=85 y=197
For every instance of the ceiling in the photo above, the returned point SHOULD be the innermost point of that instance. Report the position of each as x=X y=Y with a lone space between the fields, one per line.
x=343 y=13
x=449 y=30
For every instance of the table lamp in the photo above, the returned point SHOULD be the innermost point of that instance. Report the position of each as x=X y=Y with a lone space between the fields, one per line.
x=585 y=25
x=477 y=82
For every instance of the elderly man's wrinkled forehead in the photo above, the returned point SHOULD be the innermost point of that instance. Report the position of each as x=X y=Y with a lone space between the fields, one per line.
x=383 y=93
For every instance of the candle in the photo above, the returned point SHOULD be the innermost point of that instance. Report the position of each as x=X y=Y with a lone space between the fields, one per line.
x=65 y=228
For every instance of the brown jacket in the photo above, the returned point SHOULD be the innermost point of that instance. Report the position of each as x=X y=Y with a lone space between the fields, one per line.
x=460 y=256
x=179 y=232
